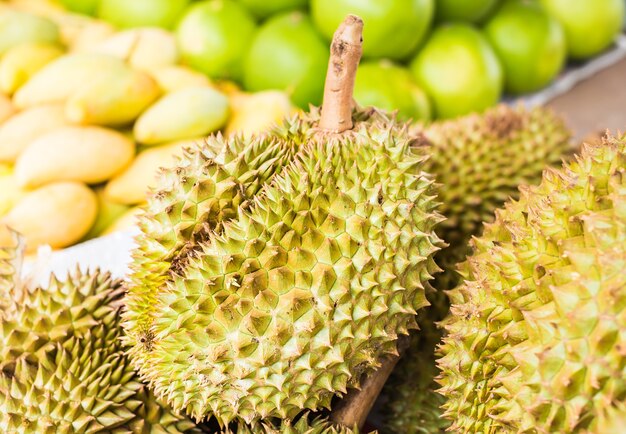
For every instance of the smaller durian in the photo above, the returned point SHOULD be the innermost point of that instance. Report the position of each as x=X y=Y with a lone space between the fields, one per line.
x=63 y=365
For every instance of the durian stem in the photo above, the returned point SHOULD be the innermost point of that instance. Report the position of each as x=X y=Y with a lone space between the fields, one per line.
x=345 y=53
x=354 y=408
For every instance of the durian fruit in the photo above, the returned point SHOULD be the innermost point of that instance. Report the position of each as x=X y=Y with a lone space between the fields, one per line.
x=537 y=334
x=63 y=366
x=480 y=160
x=270 y=275
x=610 y=420
x=303 y=425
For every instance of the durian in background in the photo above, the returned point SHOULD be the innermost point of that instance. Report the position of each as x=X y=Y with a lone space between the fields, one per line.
x=537 y=334
x=479 y=160
x=63 y=366
x=273 y=271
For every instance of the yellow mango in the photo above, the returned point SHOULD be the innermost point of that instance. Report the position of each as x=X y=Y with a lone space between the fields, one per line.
x=143 y=48
x=17 y=132
x=257 y=112
x=87 y=154
x=17 y=27
x=131 y=186
x=113 y=99
x=58 y=214
x=84 y=36
x=189 y=112
x=10 y=192
x=176 y=77
x=6 y=108
x=22 y=61
x=63 y=77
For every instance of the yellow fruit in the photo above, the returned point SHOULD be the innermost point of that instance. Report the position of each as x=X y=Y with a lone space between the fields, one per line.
x=6 y=108
x=87 y=154
x=131 y=186
x=22 y=61
x=256 y=112
x=10 y=192
x=86 y=35
x=228 y=87
x=144 y=48
x=57 y=214
x=17 y=132
x=63 y=77
x=17 y=27
x=108 y=213
x=176 y=77
x=126 y=221
x=113 y=99
x=189 y=112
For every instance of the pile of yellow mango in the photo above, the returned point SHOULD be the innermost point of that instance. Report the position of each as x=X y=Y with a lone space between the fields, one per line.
x=88 y=114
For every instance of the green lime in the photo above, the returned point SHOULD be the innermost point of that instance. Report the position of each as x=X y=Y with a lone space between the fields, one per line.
x=392 y=28
x=213 y=37
x=86 y=7
x=530 y=45
x=590 y=25
x=473 y=11
x=459 y=70
x=390 y=87
x=140 y=13
x=265 y=8
x=288 y=54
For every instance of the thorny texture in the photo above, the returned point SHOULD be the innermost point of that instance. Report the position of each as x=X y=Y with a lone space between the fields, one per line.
x=536 y=341
x=63 y=366
x=313 y=257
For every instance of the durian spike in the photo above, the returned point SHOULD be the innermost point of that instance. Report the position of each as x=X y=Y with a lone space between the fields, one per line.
x=345 y=53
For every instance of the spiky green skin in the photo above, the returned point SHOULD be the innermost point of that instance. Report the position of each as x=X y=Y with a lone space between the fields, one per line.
x=610 y=420
x=63 y=366
x=290 y=298
x=304 y=425
x=480 y=160
x=537 y=334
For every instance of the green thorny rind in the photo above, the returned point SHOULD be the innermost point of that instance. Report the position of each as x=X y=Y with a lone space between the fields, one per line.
x=303 y=425
x=63 y=366
x=480 y=160
x=536 y=341
x=288 y=300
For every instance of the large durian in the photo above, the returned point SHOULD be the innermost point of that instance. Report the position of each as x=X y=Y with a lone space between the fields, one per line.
x=536 y=341
x=63 y=366
x=272 y=274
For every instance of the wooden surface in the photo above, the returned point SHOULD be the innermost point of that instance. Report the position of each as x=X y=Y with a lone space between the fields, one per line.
x=596 y=104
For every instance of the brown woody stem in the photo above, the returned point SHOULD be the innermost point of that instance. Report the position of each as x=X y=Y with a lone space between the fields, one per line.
x=345 y=53
x=354 y=408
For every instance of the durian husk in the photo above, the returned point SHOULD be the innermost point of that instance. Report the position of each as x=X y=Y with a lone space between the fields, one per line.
x=480 y=160
x=535 y=341
x=63 y=366
x=274 y=272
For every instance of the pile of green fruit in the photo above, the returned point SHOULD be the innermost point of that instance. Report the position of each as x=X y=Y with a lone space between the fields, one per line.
x=424 y=58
